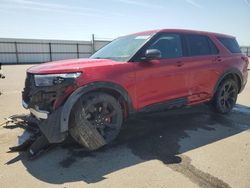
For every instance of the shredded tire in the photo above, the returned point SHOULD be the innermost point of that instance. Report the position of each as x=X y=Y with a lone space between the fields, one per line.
x=83 y=131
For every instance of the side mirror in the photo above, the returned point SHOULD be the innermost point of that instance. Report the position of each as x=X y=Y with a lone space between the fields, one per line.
x=152 y=54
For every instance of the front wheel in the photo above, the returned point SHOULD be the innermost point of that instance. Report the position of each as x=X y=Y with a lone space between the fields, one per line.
x=225 y=96
x=96 y=120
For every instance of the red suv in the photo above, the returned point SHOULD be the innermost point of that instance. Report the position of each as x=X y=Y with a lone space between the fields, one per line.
x=142 y=72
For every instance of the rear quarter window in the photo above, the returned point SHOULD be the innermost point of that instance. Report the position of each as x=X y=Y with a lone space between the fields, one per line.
x=230 y=43
x=200 y=45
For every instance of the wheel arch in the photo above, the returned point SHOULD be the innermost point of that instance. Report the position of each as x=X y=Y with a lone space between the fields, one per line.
x=232 y=73
x=113 y=89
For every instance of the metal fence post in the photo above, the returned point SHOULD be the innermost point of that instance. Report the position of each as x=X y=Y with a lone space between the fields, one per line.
x=77 y=50
x=50 y=52
x=93 y=43
x=16 y=52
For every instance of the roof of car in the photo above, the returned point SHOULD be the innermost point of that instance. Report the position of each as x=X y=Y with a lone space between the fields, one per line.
x=181 y=31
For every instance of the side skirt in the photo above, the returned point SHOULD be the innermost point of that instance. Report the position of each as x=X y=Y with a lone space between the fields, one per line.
x=176 y=103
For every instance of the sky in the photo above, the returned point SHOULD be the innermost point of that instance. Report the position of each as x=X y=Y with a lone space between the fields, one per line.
x=108 y=19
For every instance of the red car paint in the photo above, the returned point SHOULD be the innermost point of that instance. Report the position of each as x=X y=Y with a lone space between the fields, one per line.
x=158 y=80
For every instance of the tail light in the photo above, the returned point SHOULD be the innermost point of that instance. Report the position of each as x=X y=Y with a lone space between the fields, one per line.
x=245 y=59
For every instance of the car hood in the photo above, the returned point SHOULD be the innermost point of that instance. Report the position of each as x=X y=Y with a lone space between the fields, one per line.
x=71 y=65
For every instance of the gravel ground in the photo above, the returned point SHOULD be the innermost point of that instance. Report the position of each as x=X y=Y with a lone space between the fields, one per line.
x=191 y=147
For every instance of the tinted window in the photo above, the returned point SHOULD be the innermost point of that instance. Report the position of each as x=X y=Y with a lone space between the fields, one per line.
x=231 y=44
x=213 y=48
x=200 y=45
x=169 y=45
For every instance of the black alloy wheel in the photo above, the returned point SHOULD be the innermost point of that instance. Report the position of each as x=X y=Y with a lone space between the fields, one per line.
x=226 y=96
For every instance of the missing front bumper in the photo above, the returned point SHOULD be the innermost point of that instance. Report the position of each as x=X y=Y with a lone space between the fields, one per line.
x=39 y=114
x=49 y=123
x=51 y=128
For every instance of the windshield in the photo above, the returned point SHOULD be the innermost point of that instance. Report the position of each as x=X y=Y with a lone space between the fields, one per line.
x=121 y=49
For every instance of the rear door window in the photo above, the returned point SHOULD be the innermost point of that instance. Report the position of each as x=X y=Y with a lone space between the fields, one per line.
x=230 y=43
x=213 y=48
x=170 y=45
x=200 y=45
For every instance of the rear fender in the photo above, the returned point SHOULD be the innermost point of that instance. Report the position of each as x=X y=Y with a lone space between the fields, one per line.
x=227 y=73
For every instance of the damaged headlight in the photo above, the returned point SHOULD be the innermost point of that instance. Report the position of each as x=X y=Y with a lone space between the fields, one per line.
x=54 y=79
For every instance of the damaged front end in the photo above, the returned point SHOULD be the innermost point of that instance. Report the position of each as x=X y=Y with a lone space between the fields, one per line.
x=44 y=95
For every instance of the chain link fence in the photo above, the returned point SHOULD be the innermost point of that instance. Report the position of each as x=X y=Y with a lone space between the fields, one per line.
x=24 y=51
x=246 y=50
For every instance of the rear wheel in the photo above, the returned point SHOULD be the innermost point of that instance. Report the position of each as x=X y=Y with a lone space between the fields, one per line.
x=225 y=96
x=96 y=120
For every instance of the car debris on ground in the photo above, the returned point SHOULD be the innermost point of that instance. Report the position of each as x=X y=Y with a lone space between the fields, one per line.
x=36 y=143
x=1 y=77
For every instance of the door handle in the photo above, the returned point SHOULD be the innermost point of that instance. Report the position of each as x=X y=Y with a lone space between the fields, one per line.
x=179 y=63
x=218 y=58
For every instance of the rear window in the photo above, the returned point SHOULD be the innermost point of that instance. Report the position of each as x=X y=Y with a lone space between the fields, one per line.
x=200 y=45
x=231 y=44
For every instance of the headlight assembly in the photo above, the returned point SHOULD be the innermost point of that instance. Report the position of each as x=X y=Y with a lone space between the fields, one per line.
x=54 y=79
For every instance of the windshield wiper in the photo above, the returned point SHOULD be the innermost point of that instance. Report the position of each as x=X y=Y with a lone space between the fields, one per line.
x=102 y=58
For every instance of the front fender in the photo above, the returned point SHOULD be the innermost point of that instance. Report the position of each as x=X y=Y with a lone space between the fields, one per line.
x=68 y=105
